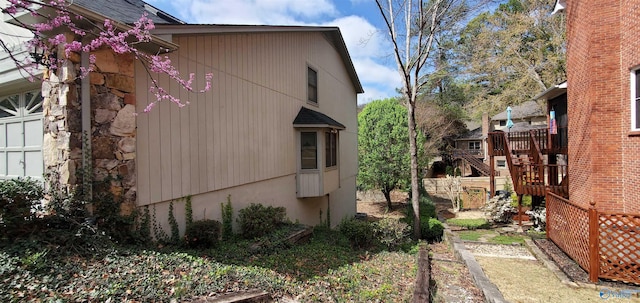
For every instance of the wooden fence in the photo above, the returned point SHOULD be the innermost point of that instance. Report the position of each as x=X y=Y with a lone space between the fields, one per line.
x=605 y=244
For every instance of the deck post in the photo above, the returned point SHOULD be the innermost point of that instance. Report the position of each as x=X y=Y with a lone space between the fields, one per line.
x=520 y=210
x=594 y=267
x=492 y=177
x=546 y=226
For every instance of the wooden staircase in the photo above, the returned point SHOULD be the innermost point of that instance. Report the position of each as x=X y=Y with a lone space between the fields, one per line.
x=476 y=163
x=529 y=172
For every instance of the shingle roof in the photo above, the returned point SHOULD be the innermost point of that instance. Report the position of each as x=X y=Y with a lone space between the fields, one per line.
x=524 y=110
x=472 y=134
x=311 y=118
x=127 y=11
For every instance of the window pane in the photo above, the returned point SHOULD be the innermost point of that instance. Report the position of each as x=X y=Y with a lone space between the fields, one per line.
x=9 y=106
x=637 y=113
x=637 y=122
x=312 y=85
x=308 y=150
x=313 y=94
x=638 y=84
x=331 y=149
x=33 y=101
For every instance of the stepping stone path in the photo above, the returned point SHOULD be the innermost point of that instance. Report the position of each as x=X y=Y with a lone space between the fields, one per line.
x=499 y=250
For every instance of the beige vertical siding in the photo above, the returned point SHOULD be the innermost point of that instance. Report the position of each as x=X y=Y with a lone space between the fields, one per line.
x=241 y=131
x=309 y=185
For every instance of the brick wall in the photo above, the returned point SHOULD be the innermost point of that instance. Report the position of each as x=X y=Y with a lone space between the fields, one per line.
x=602 y=156
x=630 y=58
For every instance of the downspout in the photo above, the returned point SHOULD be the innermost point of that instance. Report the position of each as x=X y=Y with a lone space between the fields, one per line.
x=85 y=101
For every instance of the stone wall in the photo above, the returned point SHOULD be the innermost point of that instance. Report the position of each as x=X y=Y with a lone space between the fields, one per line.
x=62 y=141
x=113 y=125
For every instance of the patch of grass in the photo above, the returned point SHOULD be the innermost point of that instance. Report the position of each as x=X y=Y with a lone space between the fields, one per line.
x=472 y=235
x=537 y=234
x=470 y=224
x=526 y=200
x=507 y=239
x=384 y=277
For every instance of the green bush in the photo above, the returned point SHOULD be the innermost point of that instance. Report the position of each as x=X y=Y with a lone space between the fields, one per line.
x=469 y=223
x=431 y=229
x=526 y=200
x=427 y=208
x=203 y=234
x=256 y=220
x=19 y=200
x=391 y=232
x=359 y=232
x=428 y=219
x=227 y=219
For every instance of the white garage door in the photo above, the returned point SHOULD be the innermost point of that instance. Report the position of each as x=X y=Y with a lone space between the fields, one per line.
x=21 y=135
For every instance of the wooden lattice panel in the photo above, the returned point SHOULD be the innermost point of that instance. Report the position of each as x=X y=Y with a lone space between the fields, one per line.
x=619 y=247
x=568 y=227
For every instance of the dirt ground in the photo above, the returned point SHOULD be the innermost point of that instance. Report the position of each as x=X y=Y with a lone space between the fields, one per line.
x=451 y=281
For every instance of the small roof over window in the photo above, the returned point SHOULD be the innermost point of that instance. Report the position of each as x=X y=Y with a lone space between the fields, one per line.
x=311 y=118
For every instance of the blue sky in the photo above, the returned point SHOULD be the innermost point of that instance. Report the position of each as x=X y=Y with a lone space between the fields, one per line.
x=358 y=20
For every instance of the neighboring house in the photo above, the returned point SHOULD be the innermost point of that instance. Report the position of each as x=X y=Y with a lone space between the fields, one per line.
x=528 y=115
x=470 y=148
x=593 y=202
x=469 y=152
x=278 y=127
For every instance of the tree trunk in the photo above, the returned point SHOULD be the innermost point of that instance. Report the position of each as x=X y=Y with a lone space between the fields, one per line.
x=387 y=196
x=413 y=150
x=421 y=290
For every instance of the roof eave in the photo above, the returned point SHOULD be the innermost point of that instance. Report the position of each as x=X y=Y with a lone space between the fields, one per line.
x=331 y=32
x=552 y=92
x=318 y=126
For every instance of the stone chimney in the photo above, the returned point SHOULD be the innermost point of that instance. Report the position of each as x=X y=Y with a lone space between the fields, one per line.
x=485 y=125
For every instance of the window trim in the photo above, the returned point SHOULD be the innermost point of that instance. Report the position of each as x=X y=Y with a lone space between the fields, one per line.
x=635 y=99
x=309 y=85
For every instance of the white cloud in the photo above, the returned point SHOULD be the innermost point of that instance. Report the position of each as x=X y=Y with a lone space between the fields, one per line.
x=370 y=53
x=372 y=93
x=362 y=38
x=369 y=49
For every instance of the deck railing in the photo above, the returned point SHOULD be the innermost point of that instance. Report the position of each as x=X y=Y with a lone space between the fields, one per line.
x=536 y=179
x=605 y=244
x=533 y=178
x=521 y=142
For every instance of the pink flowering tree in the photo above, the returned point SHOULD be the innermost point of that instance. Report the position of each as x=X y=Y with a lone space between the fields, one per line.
x=122 y=40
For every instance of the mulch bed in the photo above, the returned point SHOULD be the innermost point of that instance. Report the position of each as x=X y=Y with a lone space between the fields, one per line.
x=570 y=267
x=564 y=262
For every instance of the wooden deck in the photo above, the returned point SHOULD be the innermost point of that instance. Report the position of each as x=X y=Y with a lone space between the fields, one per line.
x=527 y=154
